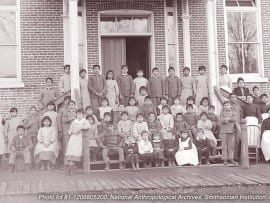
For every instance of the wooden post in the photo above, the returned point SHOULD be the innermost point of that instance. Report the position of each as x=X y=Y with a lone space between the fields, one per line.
x=186 y=33
x=244 y=145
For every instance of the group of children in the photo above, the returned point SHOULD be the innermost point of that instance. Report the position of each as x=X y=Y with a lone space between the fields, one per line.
x=149 y=120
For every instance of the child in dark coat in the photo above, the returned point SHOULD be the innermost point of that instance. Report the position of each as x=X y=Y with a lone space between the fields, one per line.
x=203 y=145
x=158 y=151
x=170 y=145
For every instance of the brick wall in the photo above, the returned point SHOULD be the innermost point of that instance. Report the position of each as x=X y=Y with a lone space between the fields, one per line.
x=42 y=52
x=156 y=6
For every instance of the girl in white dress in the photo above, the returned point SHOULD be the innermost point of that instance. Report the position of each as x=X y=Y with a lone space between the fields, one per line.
x=74 y=147
x=112 y=92
x=46 y=150
x=104 y=108
x=85 y=96
x=139 y=82
x=187 y=152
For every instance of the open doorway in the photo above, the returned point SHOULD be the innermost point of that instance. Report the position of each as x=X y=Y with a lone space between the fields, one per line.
x=133 y=51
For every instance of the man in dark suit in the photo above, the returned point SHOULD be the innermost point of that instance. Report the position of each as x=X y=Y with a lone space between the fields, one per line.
x=241 y=91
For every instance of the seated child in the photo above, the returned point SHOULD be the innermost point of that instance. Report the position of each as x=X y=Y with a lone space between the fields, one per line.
x=46 y=150
x=166 y=121
x=103 y=124
x=158 y=151
x=177 y=107
x=145 y=149
x=191 y=118
x=228 y=121
x=117 y=114
x=170 y=145
x=139 y=126
x=187 y=152
x=125 y=126
x=141 y=96
x=206 y=125
x=132 y=109
x=154 y=125
x=104 y=108
x=163 y=102
x=111 y=142
x=204 y=105
x=180 y=124
x=191 y=101
x=214 y=119
x=148 y=107
x=203 y=145
x=20 y=146
x=131 y=153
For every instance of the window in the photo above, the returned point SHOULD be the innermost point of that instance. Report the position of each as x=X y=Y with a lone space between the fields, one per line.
x=125 y=24
x=9 y=40
x=243 y=37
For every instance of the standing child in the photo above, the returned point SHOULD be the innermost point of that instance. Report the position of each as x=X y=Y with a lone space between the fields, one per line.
x=141 y=96
x=131 y=153
x=90 y=111
x=64 y=84
x=170 y=144
x=32 y=124
x=46 y=150
x=126 y=85
x=125 y=126
x=68 y=117
x=154 y=125
x=11 y=126
x=112 y=92
x=203 y=145
x=191 y=100
x=228 y=120
x=145 y=149
x=155 y=86
x=85 y=96
x=177 y=107
x=256 y=95
x=96 y=87
x=47 y=94
x=188 y=85
x=139 y=81
x=53 y=115
x=204 y=105
x=132 y=109
x=139 y=126
x=191 y=118
x=148 y=107
x=166 y=121
x=224 y=78
x=89 y=140
x=201 y=85
x=20 y=145
x=206 y=125
x=163 y=102
x=215 y=120
x=187 y=151
x=74 y=147
x=158 y=151
x=104 y=108
x=173 y=86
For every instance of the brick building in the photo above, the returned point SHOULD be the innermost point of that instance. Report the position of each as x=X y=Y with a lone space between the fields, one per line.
x=37 y=37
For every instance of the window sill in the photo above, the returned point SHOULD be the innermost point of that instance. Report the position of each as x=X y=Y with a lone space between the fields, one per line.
x=11 y=84
x=253 y=78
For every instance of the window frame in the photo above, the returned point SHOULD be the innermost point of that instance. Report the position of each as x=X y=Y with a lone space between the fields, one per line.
x=248 y=77
x=14 y=82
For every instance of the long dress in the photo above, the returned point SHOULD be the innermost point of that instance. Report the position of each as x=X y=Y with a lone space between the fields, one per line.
x=202 y=88
x=46 y=135
x=3 y=146
x=11 y=129
x=188 y=88
x=55 y=123
x=265 y=144
x=139 y=82
x=189 y=156
x=74 y=147
x=112 y=92
x=85 y=96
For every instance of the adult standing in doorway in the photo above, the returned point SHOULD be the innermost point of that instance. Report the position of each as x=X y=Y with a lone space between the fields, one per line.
x=96 y=87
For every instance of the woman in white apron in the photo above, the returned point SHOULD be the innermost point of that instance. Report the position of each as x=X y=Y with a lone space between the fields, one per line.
x=265 y=143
